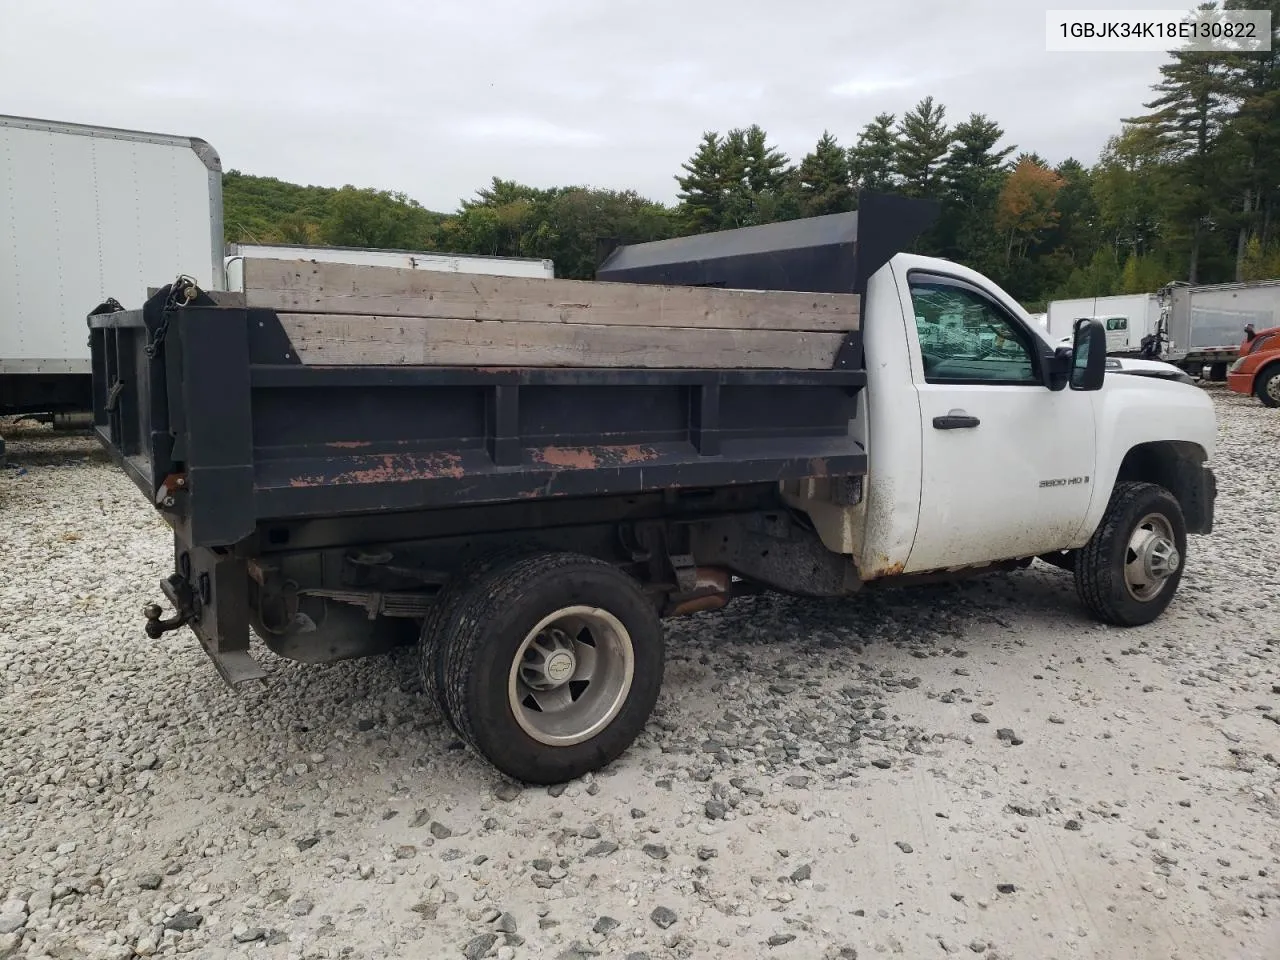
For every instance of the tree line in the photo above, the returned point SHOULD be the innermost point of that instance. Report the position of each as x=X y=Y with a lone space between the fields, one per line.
x=1187 y=190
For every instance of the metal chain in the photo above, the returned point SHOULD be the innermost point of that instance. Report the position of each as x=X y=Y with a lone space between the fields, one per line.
x=181 y=292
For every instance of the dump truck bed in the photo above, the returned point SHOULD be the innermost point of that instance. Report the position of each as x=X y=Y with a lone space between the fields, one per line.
x=324 y=390
x=215 y=415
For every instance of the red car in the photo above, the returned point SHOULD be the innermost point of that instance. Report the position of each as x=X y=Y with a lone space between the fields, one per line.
x=1257 y=371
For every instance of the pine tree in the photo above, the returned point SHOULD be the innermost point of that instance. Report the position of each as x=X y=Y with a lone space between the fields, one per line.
x=1076 y=235
x=705 y=184
x=1253 y=84
x=923 y=140
x=1186 y=121
x=737 y=180
x=765 y=167
x=824 y=179
x=874 y=158
x=971 y=177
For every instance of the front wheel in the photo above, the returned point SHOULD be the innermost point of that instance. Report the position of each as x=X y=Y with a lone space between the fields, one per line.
x=1267 y=386
x=551 y=665
x=1129 y=570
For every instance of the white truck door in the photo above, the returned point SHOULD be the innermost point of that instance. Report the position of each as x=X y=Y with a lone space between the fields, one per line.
x=1007 y=464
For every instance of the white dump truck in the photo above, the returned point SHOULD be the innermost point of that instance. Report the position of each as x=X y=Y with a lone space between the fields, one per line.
x=523 y=476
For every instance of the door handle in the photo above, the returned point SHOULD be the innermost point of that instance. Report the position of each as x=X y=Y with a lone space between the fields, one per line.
x=955 y=420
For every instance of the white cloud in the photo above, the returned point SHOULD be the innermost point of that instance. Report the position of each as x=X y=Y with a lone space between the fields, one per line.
x=869 y=86
x=525 y=130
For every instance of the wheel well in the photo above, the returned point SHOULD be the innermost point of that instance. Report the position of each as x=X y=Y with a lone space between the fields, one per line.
x=1176 y=465
x=1266 y=369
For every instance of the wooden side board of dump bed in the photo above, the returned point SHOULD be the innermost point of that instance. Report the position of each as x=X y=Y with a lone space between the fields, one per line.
x=355 y=314
x=333 y=339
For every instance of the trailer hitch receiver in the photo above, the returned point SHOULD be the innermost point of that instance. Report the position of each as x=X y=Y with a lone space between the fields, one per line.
x=177 y=590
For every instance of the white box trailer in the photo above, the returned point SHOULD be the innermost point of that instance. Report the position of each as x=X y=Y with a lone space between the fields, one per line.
x=365 y=256
x=1127 y=317
x=1204 y=325
x=89 y=213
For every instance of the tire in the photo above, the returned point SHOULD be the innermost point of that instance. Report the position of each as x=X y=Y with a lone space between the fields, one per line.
x=1266 y=385
x=437 y=620
x=1112 y=579
x=513 y=626
x=1218 y=372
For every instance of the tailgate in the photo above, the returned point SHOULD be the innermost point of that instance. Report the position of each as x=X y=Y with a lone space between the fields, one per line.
x=130 y=402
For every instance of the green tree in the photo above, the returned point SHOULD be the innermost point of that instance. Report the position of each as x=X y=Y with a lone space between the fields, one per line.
x=1260 y=263
x=1143 y=274
x=923 y=142
x=1076 y=233
x=1186 y=123
x=825 y=186
x=1099 y=278
x=268 y=210
x=971 y=177
x=569 y=221
x=375 y=218
x=736 y=181
x=496 y=223
x=705 y=185
x=1126 y=186
x=1253 y=135
x=873 y=159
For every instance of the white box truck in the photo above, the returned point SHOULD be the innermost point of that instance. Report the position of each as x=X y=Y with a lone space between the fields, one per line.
x=1127 y=318
x=90 y=213
x=365 y=256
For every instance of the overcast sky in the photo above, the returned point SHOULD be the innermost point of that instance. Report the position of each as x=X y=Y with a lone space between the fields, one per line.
x=434 y=98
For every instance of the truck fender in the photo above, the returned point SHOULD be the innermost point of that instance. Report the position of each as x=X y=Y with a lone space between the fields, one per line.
x=1166 y=438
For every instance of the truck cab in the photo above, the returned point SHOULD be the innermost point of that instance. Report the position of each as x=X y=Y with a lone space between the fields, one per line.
x=979 y=449
x=1257 y=370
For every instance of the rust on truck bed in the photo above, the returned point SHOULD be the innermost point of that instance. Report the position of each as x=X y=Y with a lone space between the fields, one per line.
x=389 y=469
x=591 y=458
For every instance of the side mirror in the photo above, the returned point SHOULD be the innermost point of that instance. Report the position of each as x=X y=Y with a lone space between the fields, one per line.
x=1088 y=355
x=1058 y=368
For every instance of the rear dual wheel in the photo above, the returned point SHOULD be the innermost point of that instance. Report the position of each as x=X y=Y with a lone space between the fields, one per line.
x=548 y=665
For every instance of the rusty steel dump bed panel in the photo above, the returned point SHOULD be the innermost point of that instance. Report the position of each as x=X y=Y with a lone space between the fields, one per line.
x=214 y=418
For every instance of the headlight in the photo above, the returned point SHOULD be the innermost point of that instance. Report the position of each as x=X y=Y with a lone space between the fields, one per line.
x=1235 y=367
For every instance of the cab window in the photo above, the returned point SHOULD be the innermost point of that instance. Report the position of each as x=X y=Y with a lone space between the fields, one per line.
x=965 y=338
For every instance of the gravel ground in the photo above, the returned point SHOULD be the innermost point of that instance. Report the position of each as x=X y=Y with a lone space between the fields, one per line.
x=972 y=770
